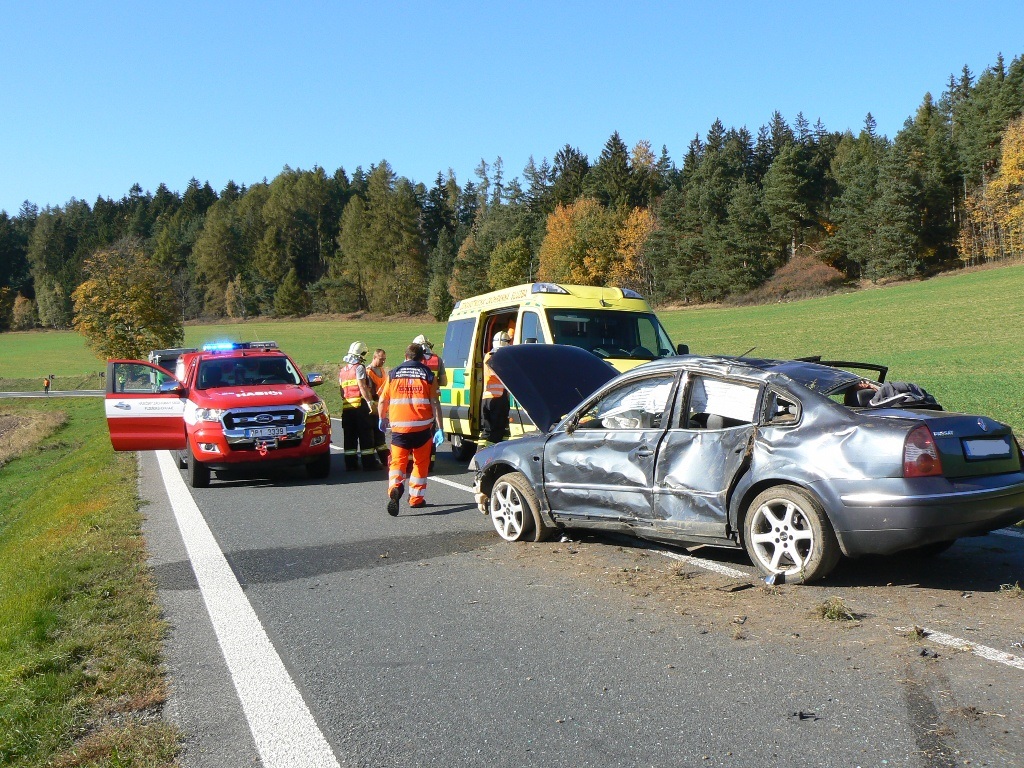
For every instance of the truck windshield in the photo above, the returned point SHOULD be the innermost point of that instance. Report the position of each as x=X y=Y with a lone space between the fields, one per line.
x=246 y=372
x=611 y=334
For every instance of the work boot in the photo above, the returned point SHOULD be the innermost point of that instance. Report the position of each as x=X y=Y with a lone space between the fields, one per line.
x=417 y=503
x=393 y=497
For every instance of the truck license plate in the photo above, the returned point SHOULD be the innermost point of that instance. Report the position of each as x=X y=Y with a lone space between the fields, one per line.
x=266 y=432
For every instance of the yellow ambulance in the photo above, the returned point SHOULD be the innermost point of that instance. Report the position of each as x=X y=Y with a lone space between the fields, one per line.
x=615 y=324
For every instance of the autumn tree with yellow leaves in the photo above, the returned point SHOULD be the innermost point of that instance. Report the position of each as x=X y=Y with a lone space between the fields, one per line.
x=126 y=307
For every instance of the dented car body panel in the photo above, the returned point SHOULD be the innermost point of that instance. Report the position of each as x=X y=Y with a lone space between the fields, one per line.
x=678 y=449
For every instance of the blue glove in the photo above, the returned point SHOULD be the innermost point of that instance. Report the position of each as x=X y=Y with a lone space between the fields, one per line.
x=383 y=424
x=438 y=437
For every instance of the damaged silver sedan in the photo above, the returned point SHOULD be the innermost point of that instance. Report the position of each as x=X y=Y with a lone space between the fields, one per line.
x=787 y=459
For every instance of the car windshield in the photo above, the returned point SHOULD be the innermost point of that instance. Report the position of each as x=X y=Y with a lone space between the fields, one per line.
x=611 y=334
x=247 y=372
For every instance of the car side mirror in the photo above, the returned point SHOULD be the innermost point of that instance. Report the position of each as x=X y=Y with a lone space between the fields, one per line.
x=171 y=388
x=682 y=349
x=315 y=379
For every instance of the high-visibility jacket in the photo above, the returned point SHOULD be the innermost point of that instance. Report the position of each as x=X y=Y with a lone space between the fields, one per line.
x=492 y=384
x=376 y=381
x=434 y=363
x=348 y=380
x=408 y=397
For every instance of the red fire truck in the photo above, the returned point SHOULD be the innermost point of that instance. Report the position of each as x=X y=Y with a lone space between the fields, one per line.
x=226 y=405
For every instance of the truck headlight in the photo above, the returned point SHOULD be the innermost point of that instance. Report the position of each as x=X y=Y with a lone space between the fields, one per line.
x=209 y=414
x=314 y=409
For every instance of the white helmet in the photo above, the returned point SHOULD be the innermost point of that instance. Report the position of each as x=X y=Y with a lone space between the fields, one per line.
x=357 y=349
x=424 y=342
x=501 y=339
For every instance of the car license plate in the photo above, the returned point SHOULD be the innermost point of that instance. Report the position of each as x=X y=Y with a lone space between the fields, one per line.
x=266 y=432
x=987 y=448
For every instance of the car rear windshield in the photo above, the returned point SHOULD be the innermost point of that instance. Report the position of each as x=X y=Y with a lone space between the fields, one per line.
x=608 y=333
x=246 y=372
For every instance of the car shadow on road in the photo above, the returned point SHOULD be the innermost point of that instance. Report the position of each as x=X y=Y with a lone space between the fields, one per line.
x=977 y=564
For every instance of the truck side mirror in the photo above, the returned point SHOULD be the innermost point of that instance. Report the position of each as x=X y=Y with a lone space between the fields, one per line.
x=315 y=379
x=682 y=349
x=171 y=387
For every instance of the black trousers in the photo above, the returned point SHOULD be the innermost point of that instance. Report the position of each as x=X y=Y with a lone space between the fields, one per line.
x=494 y=419
x=359 y=439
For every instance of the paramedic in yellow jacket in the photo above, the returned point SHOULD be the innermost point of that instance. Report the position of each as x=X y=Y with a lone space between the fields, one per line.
x=494 y=408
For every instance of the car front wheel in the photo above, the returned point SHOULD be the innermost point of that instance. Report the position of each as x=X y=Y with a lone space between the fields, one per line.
x=198 y=473
x=320 y=467
x=515 y=511
x=787 y=532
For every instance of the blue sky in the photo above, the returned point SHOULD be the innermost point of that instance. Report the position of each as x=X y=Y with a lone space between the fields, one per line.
x=95 y=97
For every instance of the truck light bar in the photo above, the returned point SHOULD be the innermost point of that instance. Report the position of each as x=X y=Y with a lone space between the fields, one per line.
x=229 y=346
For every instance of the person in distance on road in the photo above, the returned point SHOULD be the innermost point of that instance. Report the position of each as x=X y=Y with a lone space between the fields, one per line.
x=409 y=406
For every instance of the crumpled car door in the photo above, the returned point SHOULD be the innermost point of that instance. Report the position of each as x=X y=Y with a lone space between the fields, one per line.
x=702 y=454
x=603 y=465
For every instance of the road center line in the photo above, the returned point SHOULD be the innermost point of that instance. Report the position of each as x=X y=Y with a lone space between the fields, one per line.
x=452 y=483
x=978 y=650
x=284 y=729
x=709 y=565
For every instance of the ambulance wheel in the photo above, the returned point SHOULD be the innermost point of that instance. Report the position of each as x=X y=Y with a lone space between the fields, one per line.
x=198 y=473
x=462 y=449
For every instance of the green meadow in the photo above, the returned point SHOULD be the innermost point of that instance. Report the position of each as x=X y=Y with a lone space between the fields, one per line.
x=959 y=336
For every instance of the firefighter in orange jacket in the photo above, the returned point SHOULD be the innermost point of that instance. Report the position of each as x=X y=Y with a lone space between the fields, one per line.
x=356 y=419
x=495 y=406
x=378 y=377
x=409 y=405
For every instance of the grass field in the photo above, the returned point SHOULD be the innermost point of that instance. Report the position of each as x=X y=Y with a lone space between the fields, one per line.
x=80 y=634
x=960 y=336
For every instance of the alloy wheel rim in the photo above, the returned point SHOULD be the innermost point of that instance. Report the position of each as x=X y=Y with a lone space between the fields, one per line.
x=507 y=512
x=782 y=536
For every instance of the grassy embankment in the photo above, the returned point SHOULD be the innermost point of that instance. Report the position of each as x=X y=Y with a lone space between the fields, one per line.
x=80 y=678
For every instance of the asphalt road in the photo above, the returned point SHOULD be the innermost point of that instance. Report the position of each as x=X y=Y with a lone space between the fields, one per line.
x=424 y=640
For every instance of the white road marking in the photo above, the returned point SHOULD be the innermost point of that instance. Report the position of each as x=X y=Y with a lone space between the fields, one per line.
x=284 y=729
x=709 y=565
x=978 y=650
x=452 y=483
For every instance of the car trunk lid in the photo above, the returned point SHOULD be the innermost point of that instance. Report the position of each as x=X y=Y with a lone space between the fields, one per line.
x=969 y=446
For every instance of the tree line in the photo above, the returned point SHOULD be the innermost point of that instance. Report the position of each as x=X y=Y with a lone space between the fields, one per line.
x=946 y=191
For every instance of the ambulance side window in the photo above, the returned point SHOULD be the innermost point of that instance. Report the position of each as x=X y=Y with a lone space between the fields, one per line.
x=457 y=341
x=531 y=331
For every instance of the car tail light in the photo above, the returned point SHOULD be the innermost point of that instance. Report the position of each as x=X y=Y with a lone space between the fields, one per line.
x=920 y=455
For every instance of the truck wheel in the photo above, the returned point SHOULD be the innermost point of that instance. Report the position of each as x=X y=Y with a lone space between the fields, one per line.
x=320 y=467
x=198 y=473
x=182 y=456
x=462 y=449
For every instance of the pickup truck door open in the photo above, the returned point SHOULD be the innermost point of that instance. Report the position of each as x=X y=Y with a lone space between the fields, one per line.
x=140 y=416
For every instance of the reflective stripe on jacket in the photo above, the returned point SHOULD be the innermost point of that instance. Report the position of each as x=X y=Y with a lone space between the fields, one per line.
x=348 y=380
x=492 y=384
x=408 y=397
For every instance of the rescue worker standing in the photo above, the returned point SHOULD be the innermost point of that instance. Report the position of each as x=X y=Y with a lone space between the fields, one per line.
x=46 y=385
x=356 y=423
x=378 y=377
x=409 y=404
x=495 y=406
x=435 y=364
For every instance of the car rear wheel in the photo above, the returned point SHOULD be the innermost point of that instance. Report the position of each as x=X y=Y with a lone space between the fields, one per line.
x=787 y=532
x=319 y=468
x=462 y=449
x=515 y=510
x=198 y=473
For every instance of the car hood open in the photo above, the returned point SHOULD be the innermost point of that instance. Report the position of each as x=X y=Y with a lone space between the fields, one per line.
x=549 y=380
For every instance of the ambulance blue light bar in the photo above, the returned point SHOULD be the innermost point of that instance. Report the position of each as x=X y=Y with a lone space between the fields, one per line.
x=548 y=288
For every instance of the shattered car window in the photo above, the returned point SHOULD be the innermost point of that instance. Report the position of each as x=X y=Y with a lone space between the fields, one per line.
x=718 y=404
x=638 y=405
